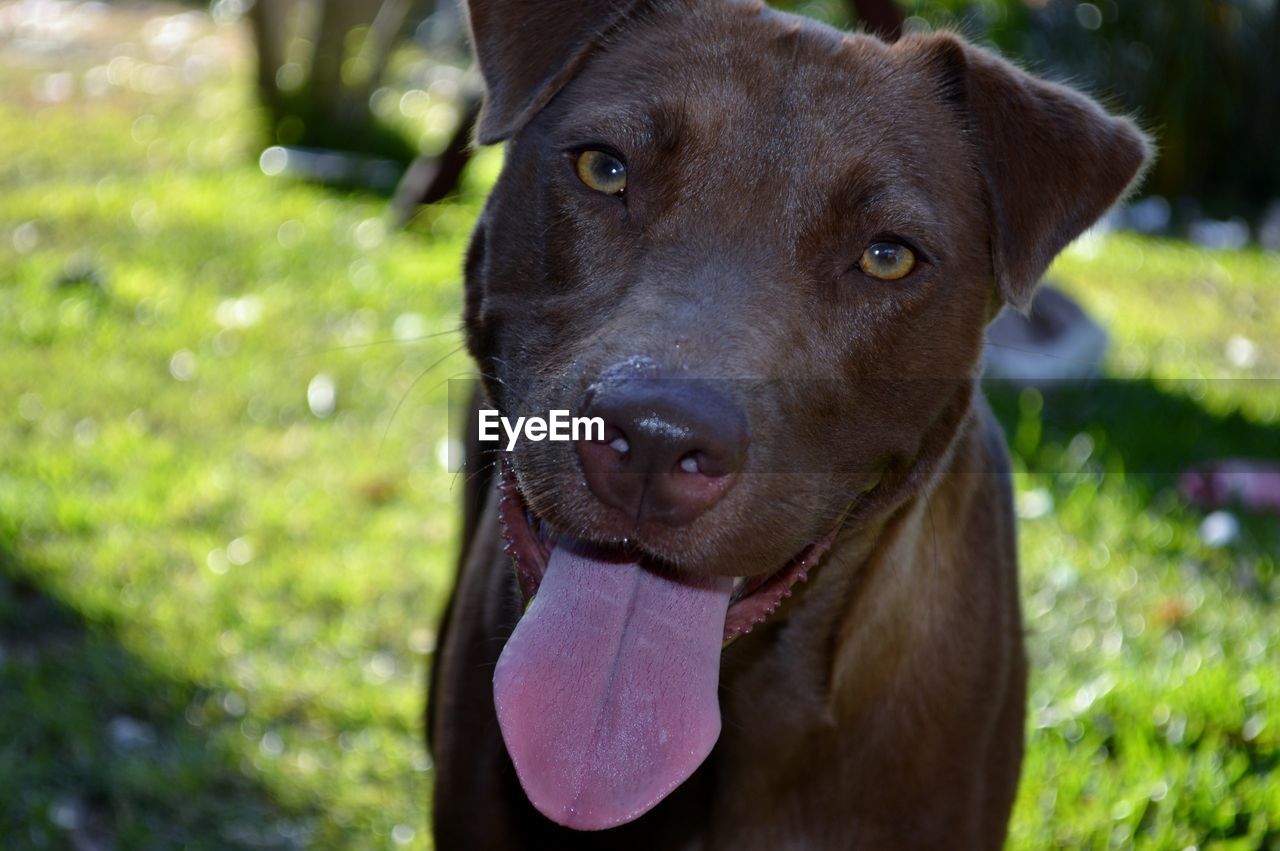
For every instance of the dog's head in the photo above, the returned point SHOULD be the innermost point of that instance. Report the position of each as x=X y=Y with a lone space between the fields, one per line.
x=763 y=253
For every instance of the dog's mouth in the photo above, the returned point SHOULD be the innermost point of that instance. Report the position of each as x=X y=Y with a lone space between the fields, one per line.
x=606 y=692
x=530 y=541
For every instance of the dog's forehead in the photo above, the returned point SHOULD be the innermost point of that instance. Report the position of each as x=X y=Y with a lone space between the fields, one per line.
x=728 y=69
x=742 y=90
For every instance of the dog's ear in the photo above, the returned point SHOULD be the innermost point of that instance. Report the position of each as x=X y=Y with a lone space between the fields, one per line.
x=528 y=50
x=1052 y=161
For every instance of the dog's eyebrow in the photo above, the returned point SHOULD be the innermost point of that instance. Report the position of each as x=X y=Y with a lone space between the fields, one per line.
x=887 y=203
x=899 y=208
x=631 y=128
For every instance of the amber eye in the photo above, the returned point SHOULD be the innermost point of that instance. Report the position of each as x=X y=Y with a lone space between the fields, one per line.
x=887 y=261
x=602 y=172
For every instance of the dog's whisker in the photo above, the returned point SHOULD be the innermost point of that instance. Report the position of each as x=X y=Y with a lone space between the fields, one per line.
x=402 y=341
x=473 y=475
x=386 y=431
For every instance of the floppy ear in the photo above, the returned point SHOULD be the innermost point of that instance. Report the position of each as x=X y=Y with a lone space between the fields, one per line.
x=528 y=50
x=1052 y=161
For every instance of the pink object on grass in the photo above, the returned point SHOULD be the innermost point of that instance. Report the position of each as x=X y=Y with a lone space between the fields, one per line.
x=1252 y=485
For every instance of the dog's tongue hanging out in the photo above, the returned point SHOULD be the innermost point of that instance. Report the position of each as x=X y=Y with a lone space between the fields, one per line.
x=606 y=691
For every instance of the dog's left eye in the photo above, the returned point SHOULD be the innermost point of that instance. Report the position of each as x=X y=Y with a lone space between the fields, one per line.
x=602 y=172
x=887 y=261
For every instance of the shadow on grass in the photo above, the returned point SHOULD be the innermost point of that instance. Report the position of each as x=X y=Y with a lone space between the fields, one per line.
x=1148 y=433
x=98 y=751
x=1134 y=425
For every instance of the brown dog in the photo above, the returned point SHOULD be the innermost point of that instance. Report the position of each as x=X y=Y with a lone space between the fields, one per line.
x=776 y=605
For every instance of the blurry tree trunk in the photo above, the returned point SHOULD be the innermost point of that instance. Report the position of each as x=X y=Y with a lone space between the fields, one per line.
x=376 y=51
x=325 y=97
x=268 y=18
x=326 y=105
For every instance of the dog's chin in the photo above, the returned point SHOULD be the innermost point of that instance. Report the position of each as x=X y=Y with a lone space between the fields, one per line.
x=530 y=541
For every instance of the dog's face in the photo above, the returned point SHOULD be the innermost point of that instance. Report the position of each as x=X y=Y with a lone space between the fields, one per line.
x=797 y=216
x=764 y=253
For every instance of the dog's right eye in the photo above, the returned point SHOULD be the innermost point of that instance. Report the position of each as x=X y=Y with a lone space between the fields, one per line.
x=888 y=261
x=602 y=172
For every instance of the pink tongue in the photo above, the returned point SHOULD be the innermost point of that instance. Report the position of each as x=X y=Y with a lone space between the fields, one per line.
x=606 y=691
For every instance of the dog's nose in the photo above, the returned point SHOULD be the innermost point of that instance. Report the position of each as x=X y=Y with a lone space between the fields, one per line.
x=672 y=447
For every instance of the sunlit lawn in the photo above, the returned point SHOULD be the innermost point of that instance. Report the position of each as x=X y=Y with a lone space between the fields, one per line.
x=219 y=583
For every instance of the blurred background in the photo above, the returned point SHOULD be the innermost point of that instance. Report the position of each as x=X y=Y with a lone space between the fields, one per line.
x=230 y=242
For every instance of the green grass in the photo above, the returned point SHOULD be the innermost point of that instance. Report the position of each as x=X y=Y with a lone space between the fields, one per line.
x=216 y=607
x=1156 y=687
